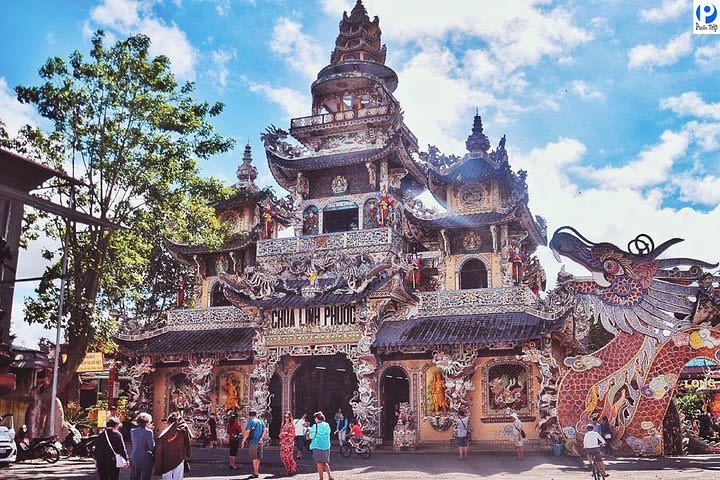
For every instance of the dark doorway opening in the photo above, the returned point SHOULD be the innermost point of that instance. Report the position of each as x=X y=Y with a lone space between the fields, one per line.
x=340 y=217
x=473 y=274
x=324 y=383
x=276 y=413
x=395 y=390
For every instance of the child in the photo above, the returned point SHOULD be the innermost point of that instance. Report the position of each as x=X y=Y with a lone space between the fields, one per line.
x=356 y=433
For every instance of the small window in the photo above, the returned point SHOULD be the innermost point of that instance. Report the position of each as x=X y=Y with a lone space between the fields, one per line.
x=340 y=217
x=473 y=274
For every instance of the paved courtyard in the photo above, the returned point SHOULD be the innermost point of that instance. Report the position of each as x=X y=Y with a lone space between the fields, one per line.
x=211 y=465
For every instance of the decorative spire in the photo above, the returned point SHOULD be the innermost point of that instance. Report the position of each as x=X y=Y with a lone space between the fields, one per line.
x=358 y=12
x=359 y=38
x=246 y=172
x=477 y=141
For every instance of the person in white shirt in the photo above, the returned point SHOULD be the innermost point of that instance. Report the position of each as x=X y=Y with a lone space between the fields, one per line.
x=301 y=428
x=593 y=443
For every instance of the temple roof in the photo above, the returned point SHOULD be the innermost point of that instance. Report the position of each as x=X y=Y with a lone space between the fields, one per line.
x=471 y=220
x=236 y=340
x=475 y=329
x=337 y=296
x=184 y=253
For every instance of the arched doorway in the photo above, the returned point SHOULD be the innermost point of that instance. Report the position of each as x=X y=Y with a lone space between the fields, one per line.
x=473 y=274
x=395 y=390
x=324 y=383
x=275 y=405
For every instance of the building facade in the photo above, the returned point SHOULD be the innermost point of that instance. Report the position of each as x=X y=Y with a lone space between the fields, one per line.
x=377 y=306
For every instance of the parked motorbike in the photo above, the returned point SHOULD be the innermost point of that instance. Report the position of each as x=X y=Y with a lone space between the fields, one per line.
x=75 y=445
x=38 y=448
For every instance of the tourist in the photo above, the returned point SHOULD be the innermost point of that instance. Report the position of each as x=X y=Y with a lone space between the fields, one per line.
x=287 y=444
x=338 y=414
x=173 y=446
x=606 y=433
x=320 y=445
x=462 y=433
x=107 y=445
x=143 y=446
x=356 y=433
x=341 y=428
x=212 y=429
x=518 y=434
x=255 y=433
x=301 y=427
x=593 y=442
x=234 y=433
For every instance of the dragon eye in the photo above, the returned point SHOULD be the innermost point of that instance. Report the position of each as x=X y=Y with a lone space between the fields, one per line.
x=612 y=267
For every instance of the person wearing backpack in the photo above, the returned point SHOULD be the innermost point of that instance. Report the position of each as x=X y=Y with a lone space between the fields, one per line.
x=462 y=433
x=255 y=433
x=518 y=435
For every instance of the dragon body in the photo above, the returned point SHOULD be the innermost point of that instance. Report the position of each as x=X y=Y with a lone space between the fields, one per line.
x=649 y=304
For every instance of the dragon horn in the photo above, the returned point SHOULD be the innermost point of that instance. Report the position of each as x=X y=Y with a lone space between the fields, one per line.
x=653 y=254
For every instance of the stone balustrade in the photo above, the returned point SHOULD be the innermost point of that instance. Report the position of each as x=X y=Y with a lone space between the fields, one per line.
x=482 y=300
x=369 y=240
x=327 y=118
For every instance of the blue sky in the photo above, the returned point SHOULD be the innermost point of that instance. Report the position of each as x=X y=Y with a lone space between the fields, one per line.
x=612 y=106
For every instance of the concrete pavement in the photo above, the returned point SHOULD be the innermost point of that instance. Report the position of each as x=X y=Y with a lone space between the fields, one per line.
x=208 y=464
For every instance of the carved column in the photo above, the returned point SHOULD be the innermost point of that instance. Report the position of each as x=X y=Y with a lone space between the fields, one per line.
x=548 y=426
x=264 y=362
x=141 y=386
x=365 y=401
x=505 y=267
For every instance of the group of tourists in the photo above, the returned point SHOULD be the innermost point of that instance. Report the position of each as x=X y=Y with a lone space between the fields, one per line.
x=166 y=456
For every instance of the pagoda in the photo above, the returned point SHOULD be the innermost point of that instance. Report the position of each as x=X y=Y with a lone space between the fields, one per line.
x=387 y=308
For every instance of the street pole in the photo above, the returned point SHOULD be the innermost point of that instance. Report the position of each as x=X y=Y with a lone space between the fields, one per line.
x=53 y=392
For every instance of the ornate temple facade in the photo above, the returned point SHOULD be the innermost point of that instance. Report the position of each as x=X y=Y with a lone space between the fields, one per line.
x=376 y=306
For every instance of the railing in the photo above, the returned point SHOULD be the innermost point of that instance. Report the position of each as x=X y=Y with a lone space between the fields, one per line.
x=326 y=118
x=194 y=319
x=482 y=300
x=381 y=238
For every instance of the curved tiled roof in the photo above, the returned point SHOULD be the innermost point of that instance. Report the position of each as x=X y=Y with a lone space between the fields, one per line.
x=236 y=340
x=485 y=328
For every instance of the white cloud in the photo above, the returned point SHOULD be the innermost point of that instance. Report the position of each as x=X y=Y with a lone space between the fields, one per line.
x=669 y=9
x=608 y=213
x=691 y=104
x=651 y=167
x=585 y=91
x=706 y=57
x=12 y=112
x=221 y=71
x=706 y=135
x=649 y=55
x=294 y=103
x=129 y=17
x=299 y=50
x=704 y=190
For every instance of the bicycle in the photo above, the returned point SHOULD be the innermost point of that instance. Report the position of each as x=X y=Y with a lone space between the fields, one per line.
x=597 y=474
x=362 y=448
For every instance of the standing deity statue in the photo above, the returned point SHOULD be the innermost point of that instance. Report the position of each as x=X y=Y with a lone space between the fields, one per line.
x=437 y=390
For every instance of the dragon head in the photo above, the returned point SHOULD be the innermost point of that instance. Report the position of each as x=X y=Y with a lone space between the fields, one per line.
x=631 y=289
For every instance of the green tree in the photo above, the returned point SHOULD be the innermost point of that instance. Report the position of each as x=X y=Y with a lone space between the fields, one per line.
x=122 y=124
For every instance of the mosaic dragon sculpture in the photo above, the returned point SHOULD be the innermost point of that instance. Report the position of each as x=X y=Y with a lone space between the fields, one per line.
x=662 y=314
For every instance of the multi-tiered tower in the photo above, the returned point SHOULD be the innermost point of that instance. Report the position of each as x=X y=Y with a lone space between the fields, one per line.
x=377 y=305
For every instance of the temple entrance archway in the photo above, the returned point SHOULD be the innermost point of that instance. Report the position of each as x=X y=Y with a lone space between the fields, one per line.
x=395 y=387
x=324 y=383
x=275 y=405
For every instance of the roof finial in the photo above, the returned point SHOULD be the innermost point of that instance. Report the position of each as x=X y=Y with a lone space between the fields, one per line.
x=246 y=172
x=477 y=141
x=477 y=111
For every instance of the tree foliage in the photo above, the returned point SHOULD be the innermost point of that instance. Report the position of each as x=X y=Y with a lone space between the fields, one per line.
x=124 y=127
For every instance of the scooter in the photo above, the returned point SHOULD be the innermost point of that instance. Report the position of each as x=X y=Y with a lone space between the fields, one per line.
x=37 y=448
x=75 y=445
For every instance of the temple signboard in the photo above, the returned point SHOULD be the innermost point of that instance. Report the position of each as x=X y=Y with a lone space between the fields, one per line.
x=311 y=317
